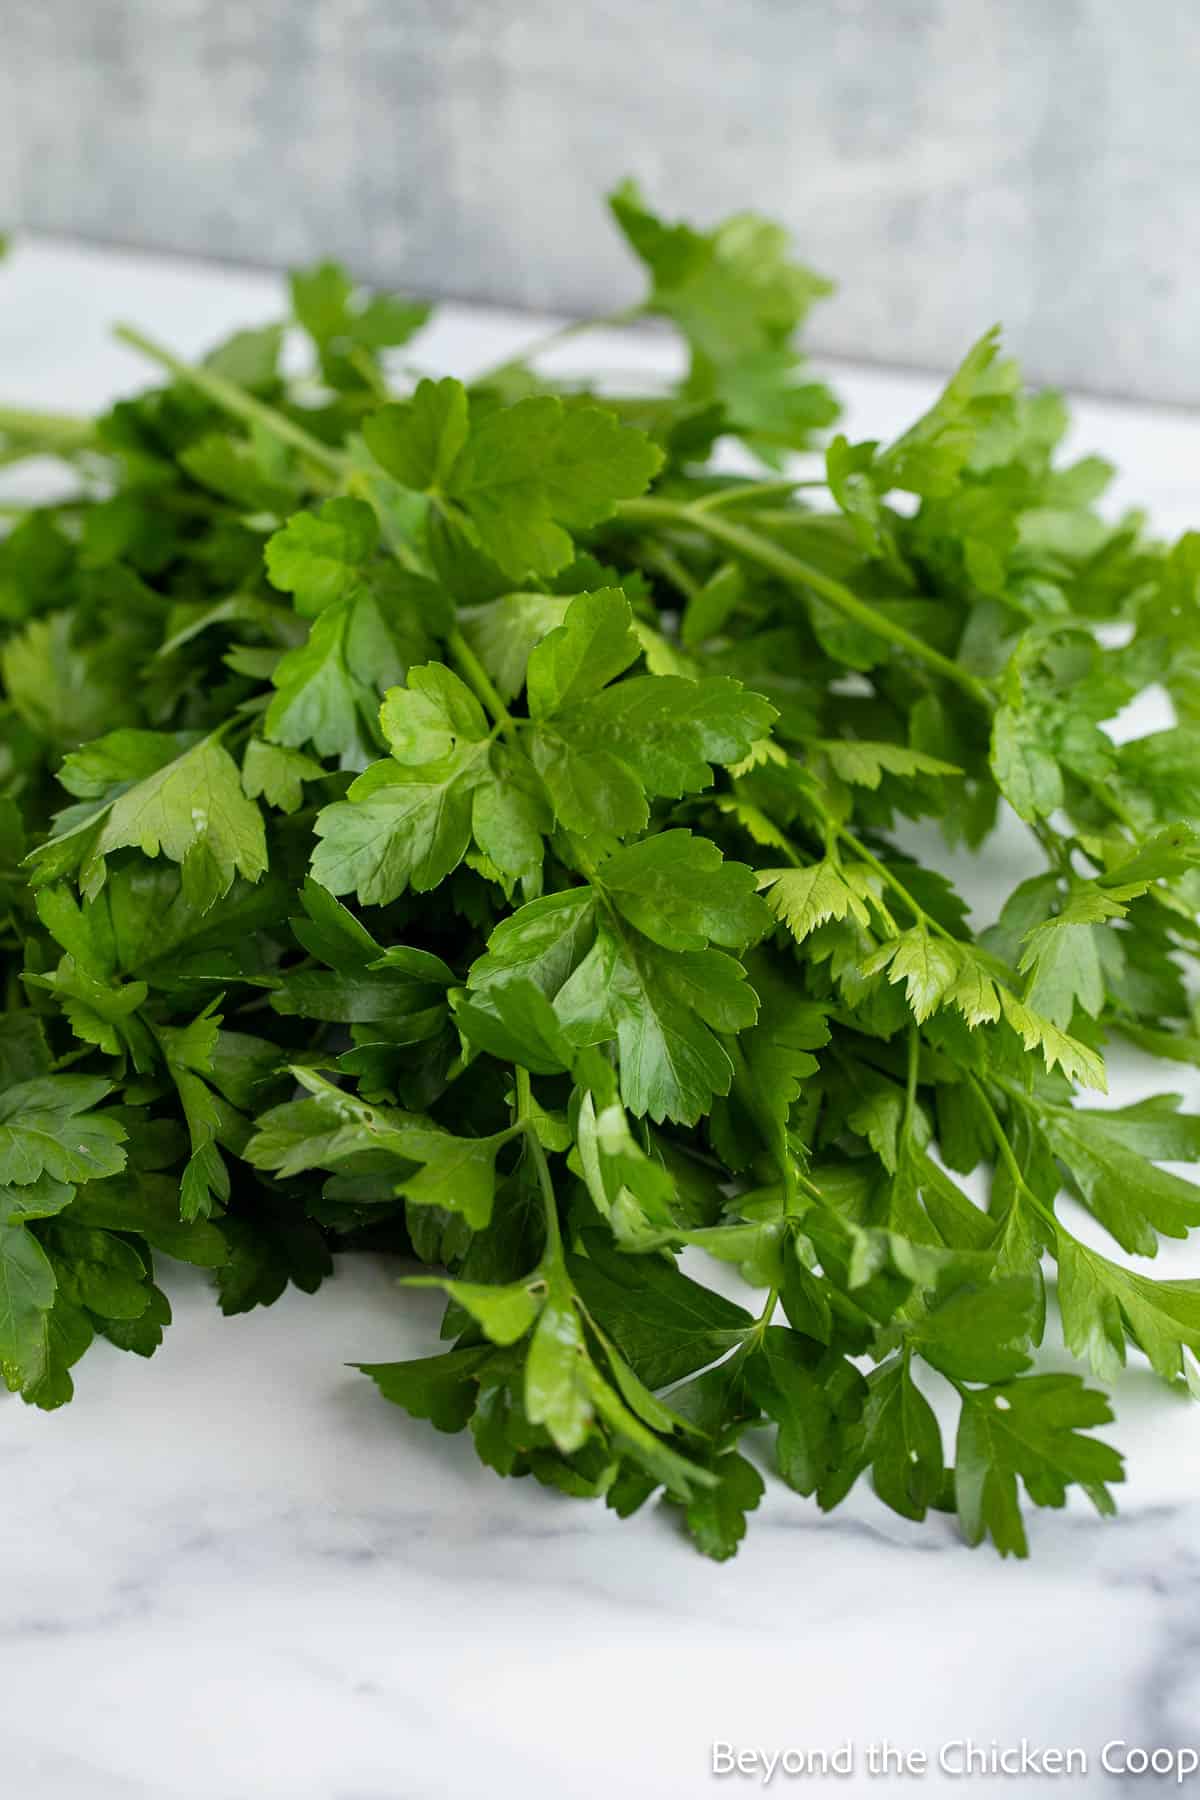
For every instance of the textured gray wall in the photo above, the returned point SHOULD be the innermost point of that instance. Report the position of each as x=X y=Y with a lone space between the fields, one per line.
x=952 y=162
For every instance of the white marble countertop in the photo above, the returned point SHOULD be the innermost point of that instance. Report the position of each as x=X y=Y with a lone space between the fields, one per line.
x=234 y=1573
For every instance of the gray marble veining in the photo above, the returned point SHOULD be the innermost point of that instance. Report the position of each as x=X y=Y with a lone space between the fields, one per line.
x=951 y=162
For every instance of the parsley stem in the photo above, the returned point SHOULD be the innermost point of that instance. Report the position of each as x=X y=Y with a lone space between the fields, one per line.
x=897 y=886
x=235 y=400
x=668 y=564
x=912 y=1076
x=554 y=1243
x=768 y=1312
x=45 y=431
x=753 y=547
x=752 y=490
x=1005 y=1149
x=561 y=334
x=479 y=681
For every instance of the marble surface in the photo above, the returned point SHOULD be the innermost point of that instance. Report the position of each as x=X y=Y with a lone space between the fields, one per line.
x=234 y=1573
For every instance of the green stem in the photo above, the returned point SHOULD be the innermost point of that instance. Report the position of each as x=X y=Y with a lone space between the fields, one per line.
x=562 y=334
x=767 y=1314
x=1005 y=1150
x=897 y=886
x=365 y=365
x=910 y=1085
x=236 y=401
x=554 y=1243
x=755 y=548
x=668 y=564
x=479 y=681
x=751 y=490
x=59 y=431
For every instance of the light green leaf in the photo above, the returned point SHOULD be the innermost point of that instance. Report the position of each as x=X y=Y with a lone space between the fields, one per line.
x=557 y=1390
x=802 y=899
x=318 y=557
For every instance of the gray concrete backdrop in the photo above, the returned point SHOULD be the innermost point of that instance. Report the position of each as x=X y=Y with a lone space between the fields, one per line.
x=951 y=162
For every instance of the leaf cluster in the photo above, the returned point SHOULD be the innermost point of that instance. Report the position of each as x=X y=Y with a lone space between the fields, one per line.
x=460 y=819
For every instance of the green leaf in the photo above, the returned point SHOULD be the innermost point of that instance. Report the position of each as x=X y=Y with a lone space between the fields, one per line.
x=930 y=457
x=525 y=476
x=532 y=473
x=594 y=644
x=664 y=1010
x=664 y=1324
x=901 y=1441
x=504 y=632
x=1101 y=1302
x=710 y=608
x=48 y=1127
x=277 y=774
x=442 y=1389
x=1132 y=1198
x=26 y=1295
x=541 y=942
x=428 y=718
x=678 y=891
x=1034 y=1430
x=505 y=1313
x=418 y=440
x=458 y=1174
x=264 y=1254
x=191 y=809
x=928 y=966
x=864 y=764
x=318 y=700
x=318 y=557
x=148 y=1204
x=670 y=731
x=803 y=899
x=632 y=1190
x=517 y=1024
x=558 y=1393
x=1058 y=1049
x=399 y=827
x=730 y=290
x=809 y=1394
x=1026 y=773
x=1067 y=970
x=981 y=1333
x=716 y=1518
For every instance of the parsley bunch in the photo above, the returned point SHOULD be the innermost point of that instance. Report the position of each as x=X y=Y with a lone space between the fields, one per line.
x=471 y=822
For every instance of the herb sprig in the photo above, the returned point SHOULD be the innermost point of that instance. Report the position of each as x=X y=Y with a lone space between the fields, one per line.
x=469 y=821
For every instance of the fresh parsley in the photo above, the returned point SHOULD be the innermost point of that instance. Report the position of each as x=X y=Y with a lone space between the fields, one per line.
x=464 y=818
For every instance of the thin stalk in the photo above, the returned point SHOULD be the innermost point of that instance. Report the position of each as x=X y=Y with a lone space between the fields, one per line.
x=912 y=1075
x=479 y=681
x=767 y=1314
x=562 y=334
x=668 y=564
x=236 y=401
x=752 y=490
x=60 y=431
x=897 y=886
x=1005 y=1150
x=554 y=1243
x=768 y=555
